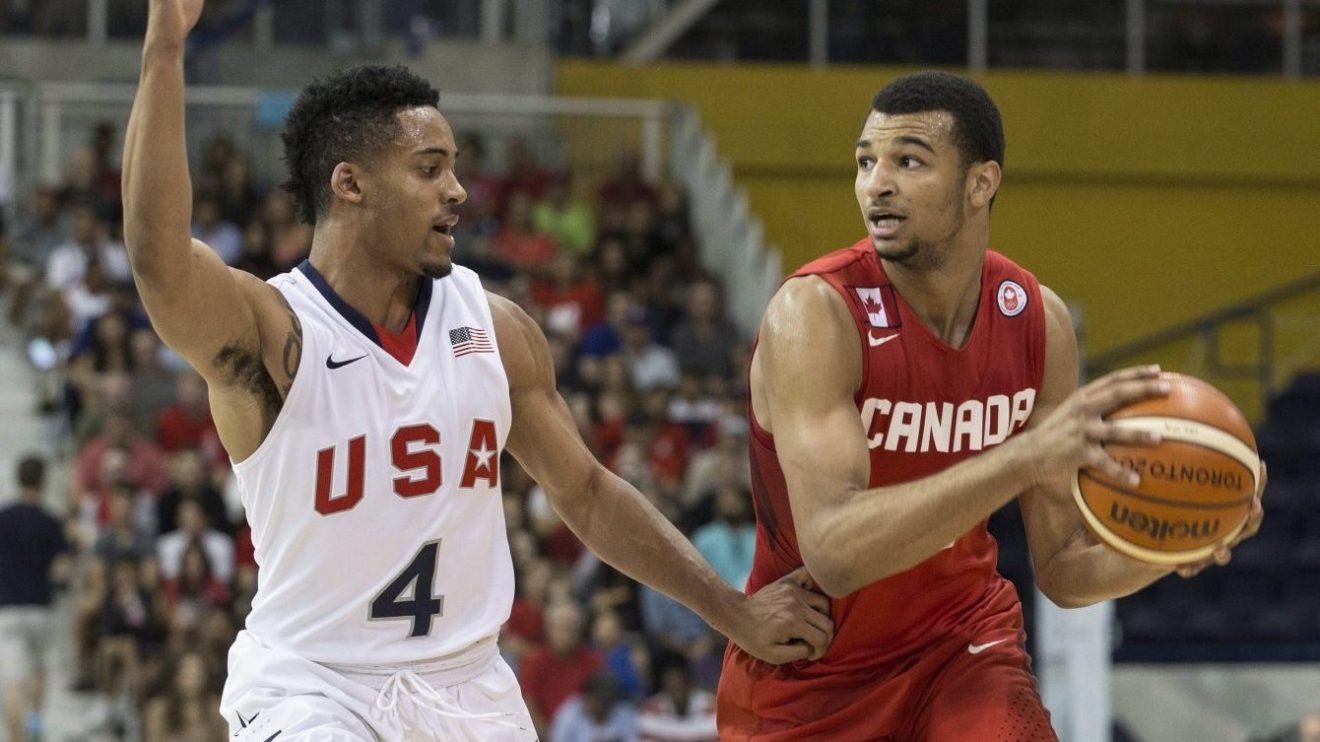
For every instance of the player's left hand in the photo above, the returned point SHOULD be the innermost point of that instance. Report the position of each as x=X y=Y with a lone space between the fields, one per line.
x=1223 y=551
x=785 y=621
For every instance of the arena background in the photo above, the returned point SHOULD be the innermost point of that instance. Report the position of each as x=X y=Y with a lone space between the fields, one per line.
x=1162 y=174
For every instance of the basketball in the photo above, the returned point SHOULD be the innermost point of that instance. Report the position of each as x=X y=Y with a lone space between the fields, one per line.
x=1196 y=484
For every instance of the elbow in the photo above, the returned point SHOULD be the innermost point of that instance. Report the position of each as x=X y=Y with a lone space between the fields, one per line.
x=1063 y=598
x=830 y=570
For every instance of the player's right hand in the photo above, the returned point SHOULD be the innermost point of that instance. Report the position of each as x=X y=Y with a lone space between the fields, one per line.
x=1072 y=437
x=169 y=21
x=785 y=621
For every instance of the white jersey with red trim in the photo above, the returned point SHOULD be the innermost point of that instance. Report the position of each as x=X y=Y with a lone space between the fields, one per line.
x=375 y=501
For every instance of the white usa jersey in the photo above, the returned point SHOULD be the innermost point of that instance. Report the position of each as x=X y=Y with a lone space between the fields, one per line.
x=374 y=500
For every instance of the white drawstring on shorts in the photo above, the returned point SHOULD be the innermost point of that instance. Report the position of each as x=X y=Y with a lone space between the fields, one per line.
x=412 y=686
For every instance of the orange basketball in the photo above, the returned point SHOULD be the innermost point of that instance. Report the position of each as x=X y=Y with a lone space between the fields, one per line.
x=1196 y=485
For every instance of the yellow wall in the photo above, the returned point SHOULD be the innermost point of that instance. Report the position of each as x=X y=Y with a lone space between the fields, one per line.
x=1144 y=201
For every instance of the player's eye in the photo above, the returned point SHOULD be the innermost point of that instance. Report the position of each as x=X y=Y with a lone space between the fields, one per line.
x=430 y=171
x=908 y=162
x=865 y=163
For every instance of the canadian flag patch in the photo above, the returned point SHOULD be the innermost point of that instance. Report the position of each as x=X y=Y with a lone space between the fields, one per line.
x=881 y=313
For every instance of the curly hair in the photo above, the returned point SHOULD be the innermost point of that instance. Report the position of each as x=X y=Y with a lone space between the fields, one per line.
x=977 y=128
x=346 y=118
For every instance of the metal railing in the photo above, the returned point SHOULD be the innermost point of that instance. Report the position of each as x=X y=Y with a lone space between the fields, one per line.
x=589 y=25
x=732 y=240
x=1207 y=333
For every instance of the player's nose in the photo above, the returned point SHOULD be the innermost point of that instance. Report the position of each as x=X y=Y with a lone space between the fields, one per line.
x=880 y=182
x=452 y=192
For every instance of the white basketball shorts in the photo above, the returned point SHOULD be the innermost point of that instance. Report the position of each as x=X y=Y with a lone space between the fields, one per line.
x=276 y=696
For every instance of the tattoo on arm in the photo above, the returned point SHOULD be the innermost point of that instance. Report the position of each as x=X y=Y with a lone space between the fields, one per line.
x=292 y=346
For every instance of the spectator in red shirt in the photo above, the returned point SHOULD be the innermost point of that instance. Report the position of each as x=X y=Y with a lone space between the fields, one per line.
x=518 y=243
x=525 y=628
x=552 y=673
x=188 y=423
x=572 y=301
x=146 y=463
x=524 y=174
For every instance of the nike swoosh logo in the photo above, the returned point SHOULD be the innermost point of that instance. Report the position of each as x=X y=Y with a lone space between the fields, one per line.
x=979 y=648
x=875 y=341
x=331 y=363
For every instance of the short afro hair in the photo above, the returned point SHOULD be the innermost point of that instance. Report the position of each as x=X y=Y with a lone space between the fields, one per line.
x=977 y=128
x=348 y=117
x=32 y=472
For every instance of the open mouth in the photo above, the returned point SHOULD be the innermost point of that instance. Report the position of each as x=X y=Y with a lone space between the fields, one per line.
x=885 y=219
x=445 y=226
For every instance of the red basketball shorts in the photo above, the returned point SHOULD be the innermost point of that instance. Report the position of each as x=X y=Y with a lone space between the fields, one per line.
x=967 y=686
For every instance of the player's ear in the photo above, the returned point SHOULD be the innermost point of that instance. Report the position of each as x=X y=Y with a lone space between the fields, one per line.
x=983 y=180
x=345 y=182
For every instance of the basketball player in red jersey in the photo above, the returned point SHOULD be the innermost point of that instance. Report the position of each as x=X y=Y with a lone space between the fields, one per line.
x=902 y=390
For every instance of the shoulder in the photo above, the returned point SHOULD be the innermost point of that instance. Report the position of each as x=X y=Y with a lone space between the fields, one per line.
x=804 y=298
x=1058 y=319
x=806 y=309
x=522 y=344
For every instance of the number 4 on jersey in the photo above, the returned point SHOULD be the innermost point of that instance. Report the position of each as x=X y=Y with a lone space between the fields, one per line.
x=418 y=604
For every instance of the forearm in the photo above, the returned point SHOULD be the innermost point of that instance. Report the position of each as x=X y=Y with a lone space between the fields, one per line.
x=616 y=522
x=875 y=533
x=157 y=191
x=1085 y=572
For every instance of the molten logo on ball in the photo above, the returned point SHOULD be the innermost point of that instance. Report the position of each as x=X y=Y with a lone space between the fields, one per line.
x=1159 y=528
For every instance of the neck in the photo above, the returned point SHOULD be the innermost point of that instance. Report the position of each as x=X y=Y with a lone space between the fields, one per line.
x=29 y=497
x=382 y=294
x=945 y=297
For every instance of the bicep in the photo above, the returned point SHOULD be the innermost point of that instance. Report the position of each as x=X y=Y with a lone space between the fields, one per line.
x=809 y=359
x=203 y=309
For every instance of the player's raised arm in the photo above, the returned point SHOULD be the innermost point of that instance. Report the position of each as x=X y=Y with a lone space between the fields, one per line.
x=807 y=367
x=782 y=622
x=195 y=303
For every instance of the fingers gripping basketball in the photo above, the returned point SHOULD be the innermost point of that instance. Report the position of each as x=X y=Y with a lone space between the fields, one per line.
x=1195 y=487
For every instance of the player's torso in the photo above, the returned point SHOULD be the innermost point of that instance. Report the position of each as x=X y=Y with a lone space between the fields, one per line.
x=374 y=501
x=925 y=406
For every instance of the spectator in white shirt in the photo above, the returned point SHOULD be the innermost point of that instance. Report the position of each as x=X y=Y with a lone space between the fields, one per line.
x=599 y=714
x=650 y=365
x=193 y=526
x=680 y=712
x=89 y=243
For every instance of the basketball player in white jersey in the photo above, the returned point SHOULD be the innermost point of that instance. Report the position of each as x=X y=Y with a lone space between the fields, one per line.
x=365 y=397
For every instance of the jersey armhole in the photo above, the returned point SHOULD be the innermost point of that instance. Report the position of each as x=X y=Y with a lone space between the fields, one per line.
x=295 y=392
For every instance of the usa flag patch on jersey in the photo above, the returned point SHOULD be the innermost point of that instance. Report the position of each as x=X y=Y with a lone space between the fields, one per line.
x=467 y=340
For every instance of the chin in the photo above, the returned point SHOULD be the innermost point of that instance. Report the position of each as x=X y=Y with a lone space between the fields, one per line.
x=896 y=253
x=437 y=269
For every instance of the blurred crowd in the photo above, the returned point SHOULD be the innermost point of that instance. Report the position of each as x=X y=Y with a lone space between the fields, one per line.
x=163 y=571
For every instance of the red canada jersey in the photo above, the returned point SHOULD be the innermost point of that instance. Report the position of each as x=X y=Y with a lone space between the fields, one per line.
x=925 y=407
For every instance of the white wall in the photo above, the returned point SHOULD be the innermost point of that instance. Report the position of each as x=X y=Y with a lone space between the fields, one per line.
x=1210 y=703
